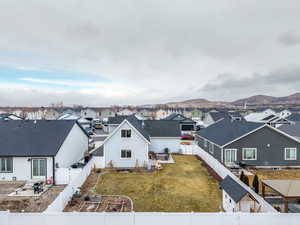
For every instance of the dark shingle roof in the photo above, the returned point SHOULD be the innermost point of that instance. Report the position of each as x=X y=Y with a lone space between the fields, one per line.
x=138 y=125
x=178 y=117
x=33 y=138
x=224 y=115
x=153 y=128
x=219 y=115
x=226 y=130
x=291 y=129
x=233 y=189
x=294 y=117
x=116 y=119
x=162 y=128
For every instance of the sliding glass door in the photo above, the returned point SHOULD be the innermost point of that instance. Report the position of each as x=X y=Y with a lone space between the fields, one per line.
x=230 y=156
x=39 y=168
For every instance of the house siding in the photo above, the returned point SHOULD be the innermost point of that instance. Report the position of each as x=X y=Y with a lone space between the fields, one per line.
x=73 y=148
x=217 y=153
x=159 y=144
x=22 y=169
x=267 y=156
x=136 y=143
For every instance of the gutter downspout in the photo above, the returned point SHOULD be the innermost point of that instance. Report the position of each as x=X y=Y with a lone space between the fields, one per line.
x=53 y=169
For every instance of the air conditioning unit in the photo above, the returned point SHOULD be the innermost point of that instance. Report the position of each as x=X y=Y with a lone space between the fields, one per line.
x=14 y=178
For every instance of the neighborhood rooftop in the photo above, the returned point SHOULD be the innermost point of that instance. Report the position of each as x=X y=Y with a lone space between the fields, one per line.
x=291 y=129
x=233 y=189
x=33 y=138
x=233 y=130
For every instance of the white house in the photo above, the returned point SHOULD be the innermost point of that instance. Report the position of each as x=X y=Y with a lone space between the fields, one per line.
x=129 y=144
x=33 y=150
x=236 y=198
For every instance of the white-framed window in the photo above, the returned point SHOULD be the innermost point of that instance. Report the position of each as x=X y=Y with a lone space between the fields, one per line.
x=6 y=165
x=126 y=154
x=205 y=143
x=211 y=148
x=249 y=153
x=290 y=153
x=125 y=133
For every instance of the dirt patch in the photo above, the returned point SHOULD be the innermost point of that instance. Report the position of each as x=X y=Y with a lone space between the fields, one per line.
x=90 y=201
x=30 y=204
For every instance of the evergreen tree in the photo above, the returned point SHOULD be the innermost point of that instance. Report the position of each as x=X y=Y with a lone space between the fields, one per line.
x=255 y=184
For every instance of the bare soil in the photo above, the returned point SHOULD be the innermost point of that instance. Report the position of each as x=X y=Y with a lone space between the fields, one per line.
x=97 y=202
x=26 y=204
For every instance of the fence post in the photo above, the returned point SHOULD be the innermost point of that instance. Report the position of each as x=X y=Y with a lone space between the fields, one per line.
x=4 y=217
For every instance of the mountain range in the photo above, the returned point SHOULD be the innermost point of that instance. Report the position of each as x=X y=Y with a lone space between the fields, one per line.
x=256 y=100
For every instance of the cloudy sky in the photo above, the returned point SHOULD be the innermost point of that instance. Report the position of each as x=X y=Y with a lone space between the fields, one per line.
x=99 y=53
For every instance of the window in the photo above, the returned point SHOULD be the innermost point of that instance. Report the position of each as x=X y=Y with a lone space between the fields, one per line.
x=6 y=165
x=125 y=133
x=249 y=154
x=290 y=154
x=211 y=148
x=125 y=154
x=205 y=143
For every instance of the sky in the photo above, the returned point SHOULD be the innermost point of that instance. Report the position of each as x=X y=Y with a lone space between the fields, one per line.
x=102 y=53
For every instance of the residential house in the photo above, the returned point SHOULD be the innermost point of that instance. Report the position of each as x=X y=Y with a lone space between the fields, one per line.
x=236 y=198
x=126 y=112
x=186 y=125
x=89 y=113
x=105 y=113
x=33 y=150
x=249 y=143
x=7 y=116
x=214 y=116
x=129 y=144
x=271 y=117
x=160 y=114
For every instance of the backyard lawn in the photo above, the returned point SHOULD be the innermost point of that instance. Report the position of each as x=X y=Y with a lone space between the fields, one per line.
x=181 y=187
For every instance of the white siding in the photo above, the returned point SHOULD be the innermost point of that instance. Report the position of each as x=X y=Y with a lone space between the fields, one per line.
x=73 y=148
x=159 y=144
x=138 y=146
x=208 y=120
x=111 y=128
x=228 y=204
x=22 y=169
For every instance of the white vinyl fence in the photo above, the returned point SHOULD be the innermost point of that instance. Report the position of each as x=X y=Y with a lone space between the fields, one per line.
x=66 y=175
x=222 y=171
x=65 y=196
x=149 y=218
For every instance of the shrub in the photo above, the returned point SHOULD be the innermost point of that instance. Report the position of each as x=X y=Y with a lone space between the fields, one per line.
x=255 y=184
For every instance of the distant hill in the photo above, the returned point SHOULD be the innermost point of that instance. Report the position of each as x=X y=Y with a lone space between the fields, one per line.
x=293 y=99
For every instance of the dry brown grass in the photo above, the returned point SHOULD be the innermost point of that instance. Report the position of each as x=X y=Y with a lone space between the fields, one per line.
x=181 y=187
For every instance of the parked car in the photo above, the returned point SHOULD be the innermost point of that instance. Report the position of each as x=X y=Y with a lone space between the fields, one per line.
x=187 y=137
x=91 y=143
x=89 y=130
x=97 y=124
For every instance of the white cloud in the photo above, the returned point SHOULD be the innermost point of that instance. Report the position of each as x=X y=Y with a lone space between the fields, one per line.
x=152 y=51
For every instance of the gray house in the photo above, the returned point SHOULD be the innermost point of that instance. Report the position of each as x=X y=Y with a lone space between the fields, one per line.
x=254 y=144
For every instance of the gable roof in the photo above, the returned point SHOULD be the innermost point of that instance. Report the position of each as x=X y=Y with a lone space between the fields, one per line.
x=226 y=130
x=294 y=117
x=151 y=128
x=291 y=129
x=138 y=125
x=178 y=117
x=233 y=189
x=9 y=116
x=116 y=119
x=33 y=138
x=162 y=128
